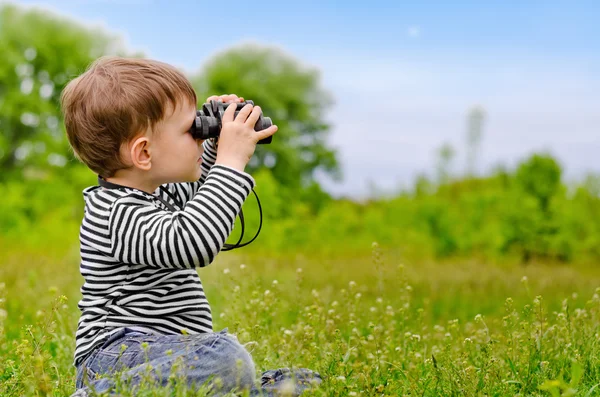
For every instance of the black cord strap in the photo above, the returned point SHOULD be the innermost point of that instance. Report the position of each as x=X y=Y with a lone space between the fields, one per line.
x=226 y=247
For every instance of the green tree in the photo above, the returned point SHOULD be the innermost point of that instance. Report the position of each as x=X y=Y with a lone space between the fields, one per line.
x=445 y=156
x=533 y=224
x=40 y=54
x=539 y=177
x=290 y=94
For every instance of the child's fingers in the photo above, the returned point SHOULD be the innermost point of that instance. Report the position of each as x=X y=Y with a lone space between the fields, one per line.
x=230 y=98
x=226 y=98
x=243 y=114
x=229 y=112
x=267 y=132
x=254 y=116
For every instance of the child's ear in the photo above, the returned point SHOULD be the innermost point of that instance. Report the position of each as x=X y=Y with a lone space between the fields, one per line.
x=140 y=153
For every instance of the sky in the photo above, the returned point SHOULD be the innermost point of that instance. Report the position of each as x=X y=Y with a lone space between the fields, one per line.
x=403 y=75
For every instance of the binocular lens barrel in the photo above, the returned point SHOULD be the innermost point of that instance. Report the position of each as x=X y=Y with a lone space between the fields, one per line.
x=208 y=121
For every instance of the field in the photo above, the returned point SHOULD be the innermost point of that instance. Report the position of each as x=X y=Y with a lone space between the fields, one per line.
x=485 y=278
x=371 y=325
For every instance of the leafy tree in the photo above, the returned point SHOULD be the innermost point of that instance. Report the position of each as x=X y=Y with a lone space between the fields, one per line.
x=287 y=92
x=445 y=156
x=539 y=177
x=40 y=54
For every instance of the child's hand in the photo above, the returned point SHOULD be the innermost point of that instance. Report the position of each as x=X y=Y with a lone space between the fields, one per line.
x=231 y=98
x=238 y=139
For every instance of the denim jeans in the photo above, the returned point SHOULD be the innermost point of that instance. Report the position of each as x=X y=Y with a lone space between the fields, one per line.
x=216 y=359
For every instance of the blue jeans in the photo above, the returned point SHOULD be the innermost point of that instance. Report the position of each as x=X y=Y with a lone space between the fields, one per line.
x=214 y=359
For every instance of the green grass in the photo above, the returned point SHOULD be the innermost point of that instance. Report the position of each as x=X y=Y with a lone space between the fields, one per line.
x=370 y=325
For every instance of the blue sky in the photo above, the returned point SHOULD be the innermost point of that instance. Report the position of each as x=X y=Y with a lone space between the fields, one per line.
x=403 y=74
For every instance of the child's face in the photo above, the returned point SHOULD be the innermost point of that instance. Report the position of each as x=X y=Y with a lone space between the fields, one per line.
x=176 y=155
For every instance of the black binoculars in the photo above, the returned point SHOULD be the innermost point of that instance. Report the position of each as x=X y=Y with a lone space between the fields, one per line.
x=208 y=121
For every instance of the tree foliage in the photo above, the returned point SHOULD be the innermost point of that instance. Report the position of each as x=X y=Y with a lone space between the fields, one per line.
x=290 y=94
x=40 y=54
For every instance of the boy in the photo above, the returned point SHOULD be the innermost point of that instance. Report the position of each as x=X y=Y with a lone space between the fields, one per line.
x=165 y=205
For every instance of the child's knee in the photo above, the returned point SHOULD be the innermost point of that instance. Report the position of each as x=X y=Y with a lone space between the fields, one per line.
x=240 y=363
x=225 y=363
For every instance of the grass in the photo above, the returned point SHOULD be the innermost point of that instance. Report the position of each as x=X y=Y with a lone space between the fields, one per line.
x=372 y=326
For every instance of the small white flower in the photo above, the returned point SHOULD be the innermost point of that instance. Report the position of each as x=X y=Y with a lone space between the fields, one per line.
x=242 y=266
x=226 y=271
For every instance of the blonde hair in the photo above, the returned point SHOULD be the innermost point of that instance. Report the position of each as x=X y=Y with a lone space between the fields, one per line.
x=113 y=101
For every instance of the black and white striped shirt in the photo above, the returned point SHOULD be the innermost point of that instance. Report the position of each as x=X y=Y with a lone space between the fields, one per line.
x=140 y=251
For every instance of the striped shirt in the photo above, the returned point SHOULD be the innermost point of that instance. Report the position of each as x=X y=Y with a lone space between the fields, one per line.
x=140 y=251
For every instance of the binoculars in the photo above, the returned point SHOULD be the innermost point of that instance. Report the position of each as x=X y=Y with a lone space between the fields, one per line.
x=208 y=121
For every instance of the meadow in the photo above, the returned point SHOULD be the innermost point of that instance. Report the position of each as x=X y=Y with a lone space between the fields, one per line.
x=371 y=325
x=463 y=283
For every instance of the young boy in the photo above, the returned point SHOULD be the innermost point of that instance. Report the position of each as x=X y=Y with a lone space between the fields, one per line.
x=165 y=206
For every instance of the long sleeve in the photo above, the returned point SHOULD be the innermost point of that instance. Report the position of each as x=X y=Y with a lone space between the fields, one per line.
x=141 y=233
x=209 y=156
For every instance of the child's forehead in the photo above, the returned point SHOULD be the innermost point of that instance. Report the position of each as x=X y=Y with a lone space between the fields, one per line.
x=181 y=108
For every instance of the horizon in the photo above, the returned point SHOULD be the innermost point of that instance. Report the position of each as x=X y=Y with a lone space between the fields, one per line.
x=403 y=76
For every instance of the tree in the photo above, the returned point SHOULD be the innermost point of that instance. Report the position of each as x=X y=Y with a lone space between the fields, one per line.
x=445 y=155
x=40 y=54
x=474 y=132
x=539 y=177
x=290 y=94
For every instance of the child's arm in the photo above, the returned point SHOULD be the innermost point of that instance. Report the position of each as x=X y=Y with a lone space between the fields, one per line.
x=185 y=191
x=209 y=156
x=141 y=233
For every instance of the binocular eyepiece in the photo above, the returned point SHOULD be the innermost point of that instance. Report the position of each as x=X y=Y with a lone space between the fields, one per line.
x=208 y=121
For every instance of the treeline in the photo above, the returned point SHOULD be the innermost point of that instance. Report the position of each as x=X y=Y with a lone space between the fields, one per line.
x=521 y=215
